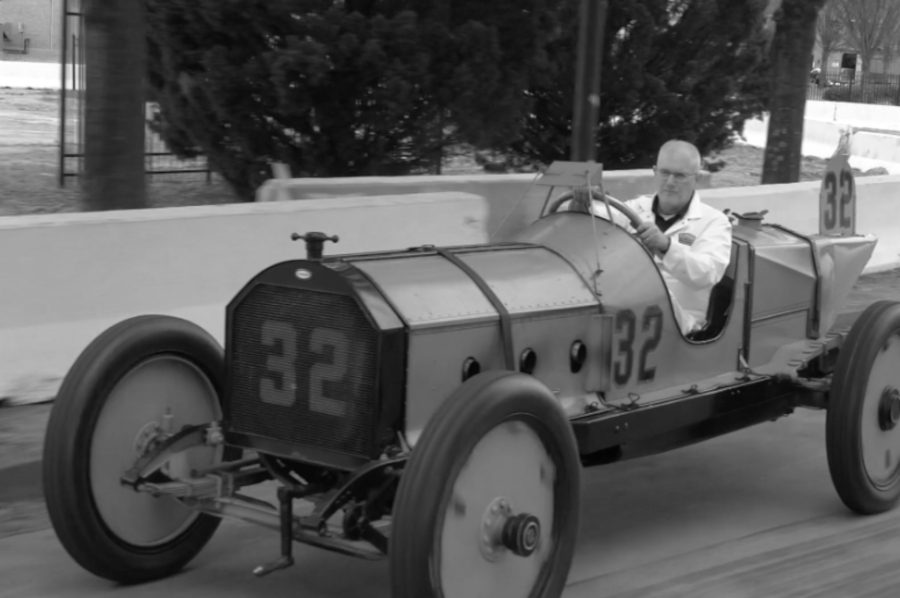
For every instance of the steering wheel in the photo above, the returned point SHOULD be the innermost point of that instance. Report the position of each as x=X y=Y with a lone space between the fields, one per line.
x=619 y=205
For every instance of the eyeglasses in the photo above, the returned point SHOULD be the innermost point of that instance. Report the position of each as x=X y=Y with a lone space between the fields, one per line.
x=679 y=177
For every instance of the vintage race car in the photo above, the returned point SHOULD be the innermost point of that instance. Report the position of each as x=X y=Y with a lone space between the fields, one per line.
x=437 y=405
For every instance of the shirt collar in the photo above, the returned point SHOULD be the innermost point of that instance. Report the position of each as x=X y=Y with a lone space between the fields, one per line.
x=664 y=223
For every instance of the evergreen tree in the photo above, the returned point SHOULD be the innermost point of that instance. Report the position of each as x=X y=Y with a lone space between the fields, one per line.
x=691 y=69
x=355 y=87
x=365 y=87
x=870 y=27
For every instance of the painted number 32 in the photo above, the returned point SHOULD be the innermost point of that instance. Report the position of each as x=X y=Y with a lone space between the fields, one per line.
x=626 y=353
x=279 y=386
x=838 y=196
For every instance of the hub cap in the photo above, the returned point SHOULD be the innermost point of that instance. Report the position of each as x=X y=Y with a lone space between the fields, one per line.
x=889 y=409
x=159 y=393
x=521 y=534
x=497 y=530
x=881 y=413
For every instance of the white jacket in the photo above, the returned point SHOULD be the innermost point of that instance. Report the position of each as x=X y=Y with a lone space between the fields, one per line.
x=698 y=255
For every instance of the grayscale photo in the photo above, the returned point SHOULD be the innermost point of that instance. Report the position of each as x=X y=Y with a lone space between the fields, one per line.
x=450 y=298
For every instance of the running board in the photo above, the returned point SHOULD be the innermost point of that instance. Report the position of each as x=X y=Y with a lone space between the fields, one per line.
x=685 y=420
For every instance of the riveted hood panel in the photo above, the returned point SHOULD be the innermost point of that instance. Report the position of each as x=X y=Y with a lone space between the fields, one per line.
x=432 y=290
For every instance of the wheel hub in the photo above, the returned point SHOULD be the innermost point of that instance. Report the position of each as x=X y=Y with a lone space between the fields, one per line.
x=501 y=530
x=146 y=437
x=521 y=534
x=889 y=409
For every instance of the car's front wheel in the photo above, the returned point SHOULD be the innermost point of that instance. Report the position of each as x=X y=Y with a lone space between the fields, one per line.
x=488 y=503
x=140 y=380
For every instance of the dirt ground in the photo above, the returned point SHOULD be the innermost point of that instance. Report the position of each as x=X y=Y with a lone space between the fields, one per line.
x=21 y=443
x=29 y=163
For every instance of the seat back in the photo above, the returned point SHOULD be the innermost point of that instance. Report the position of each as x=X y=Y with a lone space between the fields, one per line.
x=720 y=299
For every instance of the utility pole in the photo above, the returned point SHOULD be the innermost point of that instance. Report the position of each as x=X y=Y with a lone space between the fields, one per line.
x=592 y=25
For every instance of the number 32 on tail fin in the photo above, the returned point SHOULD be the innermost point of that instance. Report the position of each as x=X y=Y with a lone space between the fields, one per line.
x=837 y=198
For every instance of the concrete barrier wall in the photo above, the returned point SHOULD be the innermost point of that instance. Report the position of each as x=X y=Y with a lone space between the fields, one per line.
x=875 y=140
x=514 y=200
x=874 y=116
x=825 y=132
x=66 y=277
x=39 y=75
x=820 y=138
x=878 y=146
x=875 y=128
x=796 y=206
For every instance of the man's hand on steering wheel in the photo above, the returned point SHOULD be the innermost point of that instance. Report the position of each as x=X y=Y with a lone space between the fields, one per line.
x=653 y=238
x=580 y=199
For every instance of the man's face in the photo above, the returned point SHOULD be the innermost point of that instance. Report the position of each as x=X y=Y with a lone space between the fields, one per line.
x=676 y=177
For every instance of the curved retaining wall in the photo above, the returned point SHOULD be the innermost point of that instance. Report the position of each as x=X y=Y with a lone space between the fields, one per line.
x=514 y=199
x=875 y=139
x=796 y=206
x=67 y=277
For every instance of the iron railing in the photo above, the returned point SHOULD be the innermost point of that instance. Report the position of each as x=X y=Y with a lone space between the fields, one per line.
x=846 y=85
x=158 y=159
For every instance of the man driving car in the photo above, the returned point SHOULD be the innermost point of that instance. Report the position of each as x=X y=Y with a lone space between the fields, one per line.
x=690 y=241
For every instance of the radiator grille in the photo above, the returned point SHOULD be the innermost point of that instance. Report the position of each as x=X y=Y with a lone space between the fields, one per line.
x=303 y=370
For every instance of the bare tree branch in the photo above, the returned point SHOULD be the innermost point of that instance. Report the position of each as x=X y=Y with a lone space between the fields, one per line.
x=870 y=26
x=830 y=31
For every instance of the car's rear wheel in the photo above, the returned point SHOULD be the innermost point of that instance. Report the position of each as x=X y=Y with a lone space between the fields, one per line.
x=488 y=503
x=139 y=380
x=863 y=420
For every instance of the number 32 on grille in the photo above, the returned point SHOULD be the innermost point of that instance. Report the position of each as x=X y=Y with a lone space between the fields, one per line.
x=280 y=386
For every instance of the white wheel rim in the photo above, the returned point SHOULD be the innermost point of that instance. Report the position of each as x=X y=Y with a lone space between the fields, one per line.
x=881 y=448
x=510 y=463
x=139 y=399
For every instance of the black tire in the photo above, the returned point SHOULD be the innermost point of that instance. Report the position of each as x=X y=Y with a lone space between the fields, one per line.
x=855 y=439
x=484 y=405
x=96 y=387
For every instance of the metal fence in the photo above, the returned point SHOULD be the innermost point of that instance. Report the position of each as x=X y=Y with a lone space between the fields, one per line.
x=157 y=157
x=846 y=85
